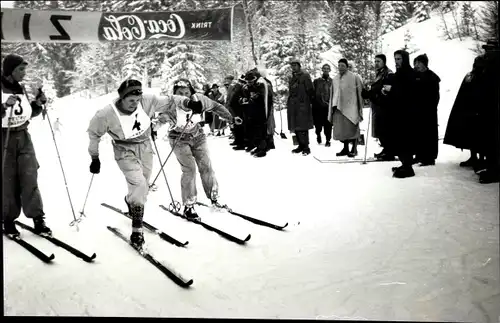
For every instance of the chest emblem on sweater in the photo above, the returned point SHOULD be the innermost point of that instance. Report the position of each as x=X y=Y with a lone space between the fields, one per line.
x=137 y=124
x=133 y=125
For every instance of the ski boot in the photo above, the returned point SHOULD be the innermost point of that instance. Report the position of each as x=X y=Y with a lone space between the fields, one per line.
x=137 y=213
x=40 y=226
x=190 y=213
x=9 y=228
x=137 y=239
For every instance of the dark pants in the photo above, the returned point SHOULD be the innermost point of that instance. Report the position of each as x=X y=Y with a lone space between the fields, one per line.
x=20 y=178
x=320 y=117
x=303 y=138
x=427 y=144
x=239 y=135
x=258 y=134
x=326 y=127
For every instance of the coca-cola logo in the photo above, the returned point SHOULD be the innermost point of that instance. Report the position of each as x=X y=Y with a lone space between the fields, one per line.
x=132 y=27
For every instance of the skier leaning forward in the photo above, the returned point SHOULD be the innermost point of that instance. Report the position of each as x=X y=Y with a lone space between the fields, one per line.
x=191 y=149
x=128 y=121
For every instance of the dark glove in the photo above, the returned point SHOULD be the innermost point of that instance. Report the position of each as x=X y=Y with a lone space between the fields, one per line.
x=95 y=166
x=202 y=123
x=195 y=106
x=154 y=134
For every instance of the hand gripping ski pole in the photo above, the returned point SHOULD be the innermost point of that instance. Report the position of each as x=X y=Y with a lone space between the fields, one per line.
x=75 y=220
x=174 y=205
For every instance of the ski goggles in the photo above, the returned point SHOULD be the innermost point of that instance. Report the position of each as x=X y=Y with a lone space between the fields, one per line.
x=133 y=90
x=182 y=84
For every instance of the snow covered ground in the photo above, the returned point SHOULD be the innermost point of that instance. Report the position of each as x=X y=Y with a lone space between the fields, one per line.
x=359 y=245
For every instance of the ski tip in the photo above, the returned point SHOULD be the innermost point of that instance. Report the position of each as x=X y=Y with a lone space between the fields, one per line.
x=51 y=257
x=93 y=256
x=286 y=224
x=188 y=283
x=248 y=238
x=184 y=244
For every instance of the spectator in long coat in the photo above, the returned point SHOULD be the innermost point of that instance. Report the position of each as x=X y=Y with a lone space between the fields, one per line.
x=427 y=100
x=463 y=125
x=346 y=108
x=299 y=109
x=403 y=124
x=489 y=106
x=380 y=107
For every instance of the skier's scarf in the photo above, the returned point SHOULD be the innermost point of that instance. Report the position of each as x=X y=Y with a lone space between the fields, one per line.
x=261 y=80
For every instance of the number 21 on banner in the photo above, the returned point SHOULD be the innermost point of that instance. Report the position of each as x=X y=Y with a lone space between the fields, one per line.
x=54 y=19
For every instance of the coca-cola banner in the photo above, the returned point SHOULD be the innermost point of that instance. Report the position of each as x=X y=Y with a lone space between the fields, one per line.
x=20 y=25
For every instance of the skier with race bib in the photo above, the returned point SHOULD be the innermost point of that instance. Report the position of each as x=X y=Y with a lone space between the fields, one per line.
x=191 y=148
x=19 y=163
x=128 y=121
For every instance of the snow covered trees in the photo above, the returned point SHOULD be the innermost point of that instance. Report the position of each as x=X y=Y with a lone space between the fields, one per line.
x=422 y=10
x=356 y=35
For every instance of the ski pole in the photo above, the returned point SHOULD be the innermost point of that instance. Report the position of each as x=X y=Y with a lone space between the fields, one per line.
x=6 y=145
x=75 y=220
x=176 y=206
x=82 y=212
x=172 y=150
x=367 y=135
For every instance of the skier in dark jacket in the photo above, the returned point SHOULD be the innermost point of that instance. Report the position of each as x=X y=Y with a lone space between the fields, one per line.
x=402 y=110
x=19 y=163
x=427 y=100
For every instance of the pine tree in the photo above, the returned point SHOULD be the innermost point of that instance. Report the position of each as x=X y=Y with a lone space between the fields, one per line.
x=387 y=17
x=422 y=10
x=467 y=19
x=489 y=17
x=357 y=36
x=401 y=14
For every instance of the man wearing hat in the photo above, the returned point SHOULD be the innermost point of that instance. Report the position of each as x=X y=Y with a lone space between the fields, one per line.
x=299 y=109
x=19 y=163
x=128 y=121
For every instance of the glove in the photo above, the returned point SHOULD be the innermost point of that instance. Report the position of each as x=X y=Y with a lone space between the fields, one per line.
x=195 y=106
x=202 y=123
x=12 y=100
x=95 y=166
x=154 y=134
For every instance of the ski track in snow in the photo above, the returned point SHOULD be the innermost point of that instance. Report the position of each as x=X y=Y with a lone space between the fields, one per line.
x=367 y=247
